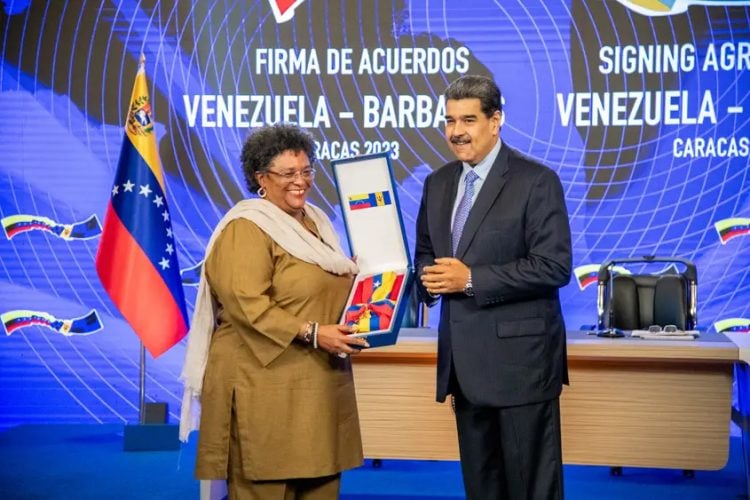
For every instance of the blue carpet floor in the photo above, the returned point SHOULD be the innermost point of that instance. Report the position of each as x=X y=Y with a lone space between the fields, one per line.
x=87 y=462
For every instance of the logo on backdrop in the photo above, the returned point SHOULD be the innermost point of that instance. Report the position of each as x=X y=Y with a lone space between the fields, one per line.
x=654 y=8
x=21 y=223
x=73 y=327
x=283 y=10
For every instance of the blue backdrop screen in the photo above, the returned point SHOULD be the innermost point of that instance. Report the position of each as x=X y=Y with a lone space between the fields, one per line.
x=640 y=106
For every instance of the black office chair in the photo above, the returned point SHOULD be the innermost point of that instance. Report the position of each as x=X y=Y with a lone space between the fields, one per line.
x=642 y=300
x=638 y=301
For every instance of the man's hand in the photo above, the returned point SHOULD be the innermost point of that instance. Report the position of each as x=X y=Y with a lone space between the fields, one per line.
x=447 y=275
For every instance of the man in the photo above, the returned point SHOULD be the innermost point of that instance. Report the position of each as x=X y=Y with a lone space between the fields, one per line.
x=493 y=240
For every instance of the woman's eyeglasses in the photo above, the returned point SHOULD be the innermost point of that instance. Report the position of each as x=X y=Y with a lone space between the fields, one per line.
x=306 y=174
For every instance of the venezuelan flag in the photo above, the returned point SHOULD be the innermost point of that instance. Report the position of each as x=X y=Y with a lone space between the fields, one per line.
x=371 y=317
x=374 y=301
x=358 y=315
x=731 y=228
x=137 y=258
x=369 y=200
x=377 y=287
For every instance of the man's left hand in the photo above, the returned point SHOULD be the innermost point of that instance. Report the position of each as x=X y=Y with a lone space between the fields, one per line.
x=447 y=275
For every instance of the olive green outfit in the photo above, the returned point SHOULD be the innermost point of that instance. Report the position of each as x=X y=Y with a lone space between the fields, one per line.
x=285 y=410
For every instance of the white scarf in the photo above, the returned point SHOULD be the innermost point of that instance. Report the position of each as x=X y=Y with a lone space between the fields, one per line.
x=290 y=235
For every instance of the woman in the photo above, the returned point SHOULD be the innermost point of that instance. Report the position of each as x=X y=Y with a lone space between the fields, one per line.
x=279 y=416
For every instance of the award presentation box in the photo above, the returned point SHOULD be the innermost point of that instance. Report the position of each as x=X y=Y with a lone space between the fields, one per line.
x=375 y=230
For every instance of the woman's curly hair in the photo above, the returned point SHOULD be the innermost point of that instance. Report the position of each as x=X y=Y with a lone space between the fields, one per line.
x=266 y=143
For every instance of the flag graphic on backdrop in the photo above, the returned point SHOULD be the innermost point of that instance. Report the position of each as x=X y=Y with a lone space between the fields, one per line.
x=283 y=10
x=14 y=225
x=586 y=275
x=589 y=273
x=83 y=325
x=732 y=228
x=137 y=259
x=669 y=7
x=732 y=325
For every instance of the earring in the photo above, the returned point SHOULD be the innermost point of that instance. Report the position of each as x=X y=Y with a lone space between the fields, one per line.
x=262 y=192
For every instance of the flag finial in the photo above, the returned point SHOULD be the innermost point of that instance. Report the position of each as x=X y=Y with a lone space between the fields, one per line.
x=142 y=61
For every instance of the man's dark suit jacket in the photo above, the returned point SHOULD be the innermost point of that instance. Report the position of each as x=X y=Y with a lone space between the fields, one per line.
x=507 y=342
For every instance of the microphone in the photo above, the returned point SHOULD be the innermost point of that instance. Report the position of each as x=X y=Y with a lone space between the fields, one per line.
x=611 y=331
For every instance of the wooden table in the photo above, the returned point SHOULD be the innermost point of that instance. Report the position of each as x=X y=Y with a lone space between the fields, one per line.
x=631 y=402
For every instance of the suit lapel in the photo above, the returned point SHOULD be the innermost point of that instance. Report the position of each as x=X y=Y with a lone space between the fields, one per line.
x=445 y=211
x=487 y=196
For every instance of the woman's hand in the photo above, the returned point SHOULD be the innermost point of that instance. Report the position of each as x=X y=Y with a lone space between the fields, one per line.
x=336 y=339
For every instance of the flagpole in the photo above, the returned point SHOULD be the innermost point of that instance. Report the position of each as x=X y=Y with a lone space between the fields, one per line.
x=142 y=385
x=142 y=388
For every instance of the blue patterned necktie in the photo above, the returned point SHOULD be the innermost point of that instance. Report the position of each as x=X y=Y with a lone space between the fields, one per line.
x=464 y=207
